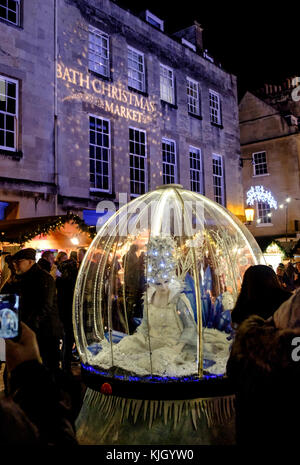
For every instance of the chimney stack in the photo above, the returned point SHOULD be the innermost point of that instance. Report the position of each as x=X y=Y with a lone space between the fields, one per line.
x=192 y=34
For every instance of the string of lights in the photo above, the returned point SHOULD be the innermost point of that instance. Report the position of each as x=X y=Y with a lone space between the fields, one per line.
x=21 y=237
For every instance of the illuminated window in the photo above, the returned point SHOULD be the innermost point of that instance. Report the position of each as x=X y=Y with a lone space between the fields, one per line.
x=193 y=97
x=196 y=172
x=167 y=84
x=10 y=11
x=169 y=161
x=136 y=70
x=99 y=154
x=8 y=113
x=138 y=161
x=218 y=179
x=98 y=52
x=259 y=163
x=214 y=107
x=263 y=213
x=3 y=206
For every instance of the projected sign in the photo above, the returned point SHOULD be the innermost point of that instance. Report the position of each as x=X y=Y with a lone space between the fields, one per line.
x=114 y=99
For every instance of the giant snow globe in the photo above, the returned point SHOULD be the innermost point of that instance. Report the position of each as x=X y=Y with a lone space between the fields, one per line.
x=152 y=322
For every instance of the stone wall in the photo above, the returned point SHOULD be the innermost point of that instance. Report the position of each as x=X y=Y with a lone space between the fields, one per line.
x=264 y=129
x=29 y=55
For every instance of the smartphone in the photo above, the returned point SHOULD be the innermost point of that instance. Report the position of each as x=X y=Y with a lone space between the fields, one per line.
x=9 y=316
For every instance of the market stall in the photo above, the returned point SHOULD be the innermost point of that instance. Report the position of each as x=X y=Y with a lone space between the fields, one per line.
x=61 y=232
x=56 y=232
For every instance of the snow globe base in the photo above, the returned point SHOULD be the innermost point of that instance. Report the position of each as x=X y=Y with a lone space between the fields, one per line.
x=160 y=411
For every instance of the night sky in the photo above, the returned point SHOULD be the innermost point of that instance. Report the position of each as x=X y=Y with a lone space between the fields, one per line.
x=257 y=41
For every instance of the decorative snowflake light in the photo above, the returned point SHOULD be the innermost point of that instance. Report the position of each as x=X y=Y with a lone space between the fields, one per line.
x=161 y=263
x=259 y=194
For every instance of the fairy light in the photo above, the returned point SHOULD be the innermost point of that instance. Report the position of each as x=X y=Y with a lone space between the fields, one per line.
x=159 y=268
x=259 y=194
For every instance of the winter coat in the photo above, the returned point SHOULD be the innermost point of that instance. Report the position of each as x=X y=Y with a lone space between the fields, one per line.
x=38 y=410
x=266 y=380
x=38 y=302
x=132 y=272
x=288 y=314
x=65 y=285
x=44 y=264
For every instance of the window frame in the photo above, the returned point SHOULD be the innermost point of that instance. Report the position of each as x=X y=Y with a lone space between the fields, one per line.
x=194 y=150
x=165 y=140
x=97 y=189
x=18 y=14
x=255 y=164
x=172 y=87
x=198 y=100
x=134 y=194
x=103 y=35
x=134 y=50
x=217 y=157
x=265 y=216
x=212 y=110
x=15 y=115
x=151 y=17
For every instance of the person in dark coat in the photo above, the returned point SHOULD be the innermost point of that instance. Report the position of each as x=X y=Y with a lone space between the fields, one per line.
x=133 y=292
x=261 y=294
x=264 y=368
x=38 y=411
x=283 y=278
x=46 y=261
x=297 y=274
x=38 y=304
x=291 y=274
x=65 y=284
x=80 y=256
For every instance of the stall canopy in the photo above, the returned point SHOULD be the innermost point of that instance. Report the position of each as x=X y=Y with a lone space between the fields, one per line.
x=287 y=248
x=47 y=232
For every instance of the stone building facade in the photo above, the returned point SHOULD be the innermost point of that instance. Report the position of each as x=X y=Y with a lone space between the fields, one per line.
x=97 y=101
x=270 y=146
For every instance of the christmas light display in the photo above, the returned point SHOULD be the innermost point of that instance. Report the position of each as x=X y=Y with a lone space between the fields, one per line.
x=259 y=194
x=152 y=321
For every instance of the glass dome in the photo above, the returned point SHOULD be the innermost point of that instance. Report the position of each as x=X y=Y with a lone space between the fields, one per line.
x=156 y=288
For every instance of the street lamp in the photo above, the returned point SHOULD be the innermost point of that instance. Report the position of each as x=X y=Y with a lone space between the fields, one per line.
x=243 y=159
x=249 y=214
x=286 y=205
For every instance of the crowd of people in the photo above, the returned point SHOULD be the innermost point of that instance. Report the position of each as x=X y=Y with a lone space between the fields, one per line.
x=46 y=290
x=261 y=367
x=42 y=397
x=289 y=275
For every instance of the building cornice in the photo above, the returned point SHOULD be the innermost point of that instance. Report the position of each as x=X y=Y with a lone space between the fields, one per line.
x=269 y=139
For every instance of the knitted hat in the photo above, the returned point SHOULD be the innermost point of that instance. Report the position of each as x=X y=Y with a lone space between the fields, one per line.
x=24 y=254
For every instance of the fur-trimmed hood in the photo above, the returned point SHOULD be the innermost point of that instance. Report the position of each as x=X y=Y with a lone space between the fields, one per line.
x=266 y=381
x=260 y=345
x=288 y=314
